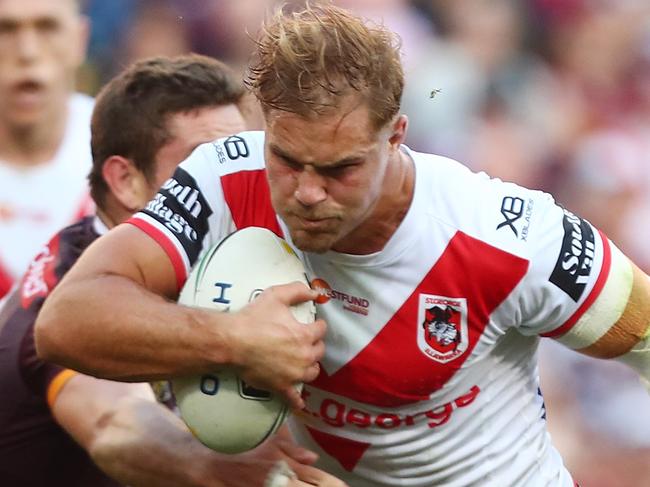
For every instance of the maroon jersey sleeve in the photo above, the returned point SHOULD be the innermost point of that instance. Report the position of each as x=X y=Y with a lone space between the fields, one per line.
x=45 y=271
x=34 y=450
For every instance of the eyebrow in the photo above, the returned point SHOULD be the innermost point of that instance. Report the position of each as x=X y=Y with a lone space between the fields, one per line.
x=284 y=155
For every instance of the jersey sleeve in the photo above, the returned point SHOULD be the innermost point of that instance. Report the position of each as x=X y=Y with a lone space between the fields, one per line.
x=178 y=217
x=569 y=262
x=190 y=212
x=45 y=379
x=44 y=273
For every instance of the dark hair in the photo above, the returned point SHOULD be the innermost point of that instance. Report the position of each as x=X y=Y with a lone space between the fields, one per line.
x=307 y=61
x=131 y=111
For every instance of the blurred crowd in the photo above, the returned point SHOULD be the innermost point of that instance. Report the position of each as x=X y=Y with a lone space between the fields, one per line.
x=552 y=94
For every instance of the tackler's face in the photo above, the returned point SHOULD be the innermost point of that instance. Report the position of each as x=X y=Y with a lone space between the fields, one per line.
x=326 y=172
x=187 y=130
x=42 y=43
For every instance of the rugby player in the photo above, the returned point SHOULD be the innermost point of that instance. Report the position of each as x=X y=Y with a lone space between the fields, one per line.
x=436 y=283
x=44 y=128
x=62 y=428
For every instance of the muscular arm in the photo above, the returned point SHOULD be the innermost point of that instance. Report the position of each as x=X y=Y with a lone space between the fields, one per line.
x=111 y=316
x=140 y=443
x=129 y=436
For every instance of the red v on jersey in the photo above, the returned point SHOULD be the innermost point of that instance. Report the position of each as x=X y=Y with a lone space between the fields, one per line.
x=347 y=452
x=392 y=370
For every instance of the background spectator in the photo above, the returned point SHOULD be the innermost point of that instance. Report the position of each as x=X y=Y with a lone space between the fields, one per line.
x=44 y=128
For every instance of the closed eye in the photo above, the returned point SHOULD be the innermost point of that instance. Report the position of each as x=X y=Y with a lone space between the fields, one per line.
x=341 y=169
x=290 y=163
x=337 y=171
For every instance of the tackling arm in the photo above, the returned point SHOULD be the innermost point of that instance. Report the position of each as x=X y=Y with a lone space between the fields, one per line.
x=129 y=436
x=141 y=443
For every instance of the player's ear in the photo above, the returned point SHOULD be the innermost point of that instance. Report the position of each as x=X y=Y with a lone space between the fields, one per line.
x=125 y=182
x=398 y=131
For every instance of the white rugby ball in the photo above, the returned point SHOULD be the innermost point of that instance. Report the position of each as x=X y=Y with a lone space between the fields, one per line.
x=222 y=411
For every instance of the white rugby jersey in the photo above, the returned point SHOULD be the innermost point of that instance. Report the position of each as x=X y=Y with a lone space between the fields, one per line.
x=36 y=202
x=429 y=376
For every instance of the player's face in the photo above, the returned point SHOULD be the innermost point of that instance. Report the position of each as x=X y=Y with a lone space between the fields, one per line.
x=42 y=43
x=326 y=174
x=188 y=130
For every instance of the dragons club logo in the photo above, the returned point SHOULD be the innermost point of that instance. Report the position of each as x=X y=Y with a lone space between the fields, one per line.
x=442 y=327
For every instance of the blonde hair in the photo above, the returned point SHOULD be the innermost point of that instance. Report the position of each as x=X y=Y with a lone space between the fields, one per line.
x=307 y=61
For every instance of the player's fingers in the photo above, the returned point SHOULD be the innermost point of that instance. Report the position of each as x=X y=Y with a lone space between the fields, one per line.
x=311 y=373
x=317 y=330
x=293 y=398
x=294 y=293
x=319 y=349
x=314 y=476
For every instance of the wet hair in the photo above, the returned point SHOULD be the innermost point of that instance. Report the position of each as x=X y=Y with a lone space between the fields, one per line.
x=306 y=62
x=132 y=110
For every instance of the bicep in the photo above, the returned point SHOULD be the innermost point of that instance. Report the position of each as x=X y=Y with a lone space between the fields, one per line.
x=129 y=252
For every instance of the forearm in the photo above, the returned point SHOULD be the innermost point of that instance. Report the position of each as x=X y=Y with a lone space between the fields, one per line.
x=110 y=326
x=143 y=444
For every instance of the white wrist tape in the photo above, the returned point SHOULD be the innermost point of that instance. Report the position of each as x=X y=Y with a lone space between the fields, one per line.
x=280 y=475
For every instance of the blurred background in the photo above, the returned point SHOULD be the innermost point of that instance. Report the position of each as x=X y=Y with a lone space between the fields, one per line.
x=551 y=94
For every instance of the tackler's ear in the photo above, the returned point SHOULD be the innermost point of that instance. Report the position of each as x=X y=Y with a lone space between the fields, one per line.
x=126 y=183
x=398 y=135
